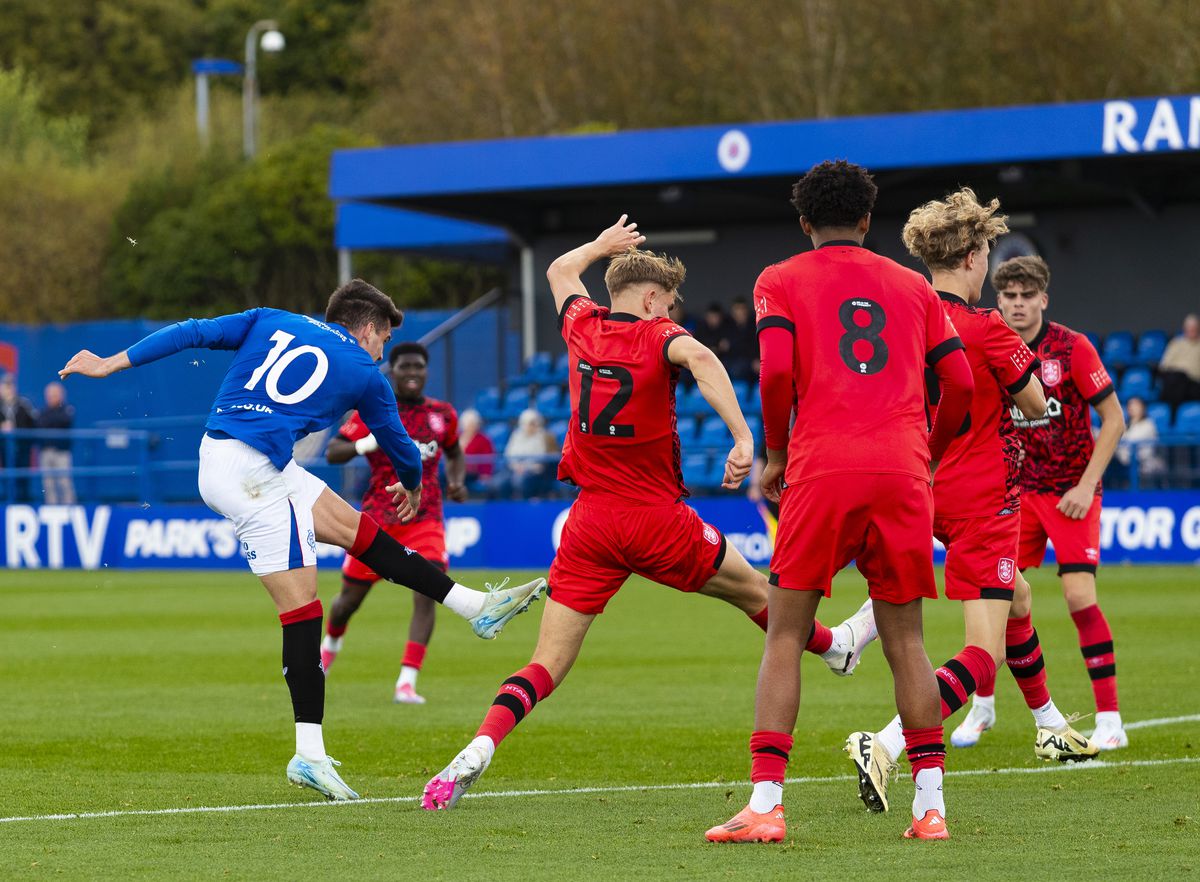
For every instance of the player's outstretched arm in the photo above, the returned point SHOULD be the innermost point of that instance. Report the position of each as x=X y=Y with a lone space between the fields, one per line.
x=1031 y=400
x=564 y=274
x=89 y=364
x=713 y=382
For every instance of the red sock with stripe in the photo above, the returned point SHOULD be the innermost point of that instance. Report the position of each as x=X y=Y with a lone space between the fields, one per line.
x=769 y=753
x=1096 y=644
x=820 y=638
x=1023 y=653
x=961 y=675
x=517 y=696
x=414 y=655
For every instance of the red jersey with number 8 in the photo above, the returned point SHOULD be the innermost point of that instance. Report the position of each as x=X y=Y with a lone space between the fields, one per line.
x=623 y=440
x=864 y=328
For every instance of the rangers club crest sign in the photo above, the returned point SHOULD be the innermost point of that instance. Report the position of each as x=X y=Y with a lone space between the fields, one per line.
x=1005 y=569
x=1051 y=372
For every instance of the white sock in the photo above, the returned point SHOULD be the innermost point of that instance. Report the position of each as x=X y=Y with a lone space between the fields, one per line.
x=310 y=745
x=1049 y=717
x=488 y=746
x=1112 y=718
x=929 y=793
x=840 y=644
x=332 y=644
x=467 y=602
x=891 y=739
x=987 y=703
x=766 y=795
x=408 y=676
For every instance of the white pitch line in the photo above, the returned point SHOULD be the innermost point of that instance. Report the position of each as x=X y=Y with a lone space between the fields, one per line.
x=1162 y=721
x=577 y=791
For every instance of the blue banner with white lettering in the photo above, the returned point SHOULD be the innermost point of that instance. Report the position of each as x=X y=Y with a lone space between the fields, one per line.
x=1158 y=527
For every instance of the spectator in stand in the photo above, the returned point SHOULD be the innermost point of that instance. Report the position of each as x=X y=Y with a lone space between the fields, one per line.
x=1179 y=369
x=54 y=454
x=476 y=445
x=742 y=359
x=1140 y=435
x=529 y=474
x=713 y=332
x=677 y=314
x=16 y=413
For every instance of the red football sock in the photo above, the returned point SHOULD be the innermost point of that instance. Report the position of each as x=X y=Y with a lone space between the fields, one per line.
x=926 y=749
x=414 y=655
x=1096 y=644
x=820 y=639
x=769 y=756
x=958 y=678
x=1024 y=657
x=335 y=631
x=760 y=618
x=517 y=697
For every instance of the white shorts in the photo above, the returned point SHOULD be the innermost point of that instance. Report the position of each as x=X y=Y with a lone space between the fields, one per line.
x=271 y=510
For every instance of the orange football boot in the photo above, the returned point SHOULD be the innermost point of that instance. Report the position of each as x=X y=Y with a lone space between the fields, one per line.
x=750 y=826
x=932 y=826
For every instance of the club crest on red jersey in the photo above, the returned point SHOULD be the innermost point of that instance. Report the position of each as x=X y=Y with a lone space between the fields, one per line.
x=710 y=535
x=437 y=423
x=1005 y=569
x=1052 y=372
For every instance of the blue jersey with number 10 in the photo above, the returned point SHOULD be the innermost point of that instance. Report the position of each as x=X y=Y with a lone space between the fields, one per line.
x=292 y=376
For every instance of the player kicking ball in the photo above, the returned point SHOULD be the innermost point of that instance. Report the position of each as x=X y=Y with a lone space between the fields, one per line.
x=976 y=497
x=623 y=452
x=846 y=336
x=293 y=375
x=433 y=424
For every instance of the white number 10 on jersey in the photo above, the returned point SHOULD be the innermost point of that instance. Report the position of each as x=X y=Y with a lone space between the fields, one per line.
x=277 y=362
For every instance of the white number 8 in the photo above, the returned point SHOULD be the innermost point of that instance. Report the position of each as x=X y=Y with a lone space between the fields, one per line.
x=277 y=366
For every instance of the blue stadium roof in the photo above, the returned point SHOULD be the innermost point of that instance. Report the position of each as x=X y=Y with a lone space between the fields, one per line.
x=532 y=184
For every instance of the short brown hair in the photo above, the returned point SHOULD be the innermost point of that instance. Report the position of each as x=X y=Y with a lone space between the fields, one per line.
x=633 y=267
x=1029 y=270
x=357 y=304
x=943 y=232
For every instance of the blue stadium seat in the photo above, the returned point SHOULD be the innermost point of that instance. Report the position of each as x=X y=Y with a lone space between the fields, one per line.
x=1150 y=348
x=558 y=429
x=1094 y=338
x=499 y=433
x=696 y=469
x=1118 y=349
x=1160 y=414
x=754 y=421
x=516 y=401
x=713 y=433
x=538 y=370
x=547 y=399
x=562 y=368
x=690 y=403
x=1138 y=381
x=488 y=405
x=741 y=389
x=1187 y=418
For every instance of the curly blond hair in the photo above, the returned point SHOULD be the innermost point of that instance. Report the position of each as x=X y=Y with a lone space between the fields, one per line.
x=943 y=232
x=634 y=267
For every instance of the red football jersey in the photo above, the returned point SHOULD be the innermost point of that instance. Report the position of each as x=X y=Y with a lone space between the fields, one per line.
x=433 y=425
x=622 y=438
x=1059 y=445
x=978 y=475
x=864 y=329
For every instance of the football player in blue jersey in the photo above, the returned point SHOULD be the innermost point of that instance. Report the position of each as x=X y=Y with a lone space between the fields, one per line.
x=293 y=375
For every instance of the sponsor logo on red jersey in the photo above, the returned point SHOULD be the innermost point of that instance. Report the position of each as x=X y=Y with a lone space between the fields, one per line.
x=1051 y=372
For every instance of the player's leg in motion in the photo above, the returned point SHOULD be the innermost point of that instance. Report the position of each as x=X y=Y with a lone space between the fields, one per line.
x=420 y=630
x=338 y=523
x=1096 y=644
x=345 y=605
x=295 y=596
x=561 y=635
x=776 y=705
x=840 y=647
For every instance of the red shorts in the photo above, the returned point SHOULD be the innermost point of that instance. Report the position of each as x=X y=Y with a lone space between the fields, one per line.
x=426 y=538
x=1076 y=543
x=981 y=555
x=604 y=543
x=883 y=522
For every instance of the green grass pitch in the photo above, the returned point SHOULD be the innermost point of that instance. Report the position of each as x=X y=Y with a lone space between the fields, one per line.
x=140 y=691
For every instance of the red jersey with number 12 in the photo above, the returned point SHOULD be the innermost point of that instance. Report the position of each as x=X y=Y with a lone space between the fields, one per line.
x=978 y=475
x=864 y=327
x=622 y=439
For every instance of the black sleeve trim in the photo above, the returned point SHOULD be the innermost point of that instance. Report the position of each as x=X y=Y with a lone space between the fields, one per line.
x=776 y=321
x=562 y=313
x=937 y=353
x=1101 y=395
x=1014 y=388
x=667 y=345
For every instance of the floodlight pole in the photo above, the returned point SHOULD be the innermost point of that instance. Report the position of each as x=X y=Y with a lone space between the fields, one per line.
x=250 y=86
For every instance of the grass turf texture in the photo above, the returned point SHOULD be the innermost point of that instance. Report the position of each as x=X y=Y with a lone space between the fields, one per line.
x=130 y=691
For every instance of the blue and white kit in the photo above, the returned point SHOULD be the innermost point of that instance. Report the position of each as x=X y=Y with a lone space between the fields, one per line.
x=292 y=375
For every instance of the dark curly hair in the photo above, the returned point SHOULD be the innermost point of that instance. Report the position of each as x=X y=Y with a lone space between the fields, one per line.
x=407 y=347
x=834 y=194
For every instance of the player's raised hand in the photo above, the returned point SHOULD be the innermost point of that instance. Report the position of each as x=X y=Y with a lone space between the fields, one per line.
x=738 y=464
x=89 y=364
x=620 y=237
